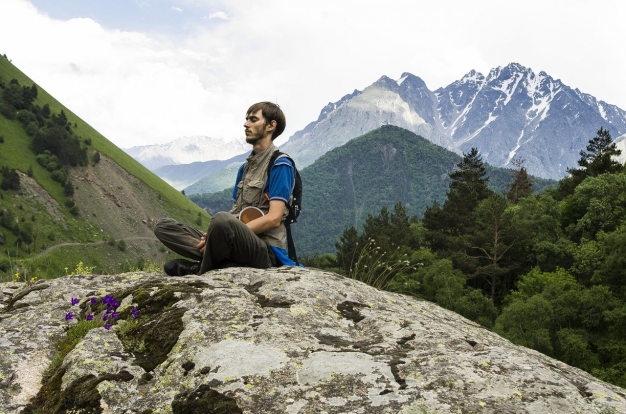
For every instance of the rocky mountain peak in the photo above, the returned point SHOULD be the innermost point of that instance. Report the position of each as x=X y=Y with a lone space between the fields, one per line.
x=409 y=81
x=472 y=77
x=385 y=82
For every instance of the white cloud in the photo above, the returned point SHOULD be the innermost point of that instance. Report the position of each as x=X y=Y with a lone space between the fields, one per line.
x=177 y=9
x=218 y=15
x=140 y=89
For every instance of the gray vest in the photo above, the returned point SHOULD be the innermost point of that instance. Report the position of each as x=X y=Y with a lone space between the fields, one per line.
x=250 y=193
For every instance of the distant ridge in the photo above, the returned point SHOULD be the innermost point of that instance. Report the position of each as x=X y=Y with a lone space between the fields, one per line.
x=186 y=150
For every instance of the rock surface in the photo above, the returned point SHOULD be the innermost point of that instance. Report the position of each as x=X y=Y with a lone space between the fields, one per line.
x=284 y=340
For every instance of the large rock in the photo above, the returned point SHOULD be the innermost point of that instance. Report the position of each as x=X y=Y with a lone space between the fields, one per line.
x=285 y=340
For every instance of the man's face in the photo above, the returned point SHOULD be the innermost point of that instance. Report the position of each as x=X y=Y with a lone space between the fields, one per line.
x=255 y=127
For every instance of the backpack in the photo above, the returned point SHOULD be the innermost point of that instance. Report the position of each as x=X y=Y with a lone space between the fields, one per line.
x=295 y=206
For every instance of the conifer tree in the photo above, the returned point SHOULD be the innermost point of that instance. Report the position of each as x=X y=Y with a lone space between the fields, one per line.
x=449 y=227
x=521 y=186
x=467 y=189
x=597 y=160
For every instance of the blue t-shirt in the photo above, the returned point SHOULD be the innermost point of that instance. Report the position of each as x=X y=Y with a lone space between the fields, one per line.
x=279 y=187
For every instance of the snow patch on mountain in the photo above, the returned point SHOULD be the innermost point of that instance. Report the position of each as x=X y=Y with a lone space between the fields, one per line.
x=402 y=79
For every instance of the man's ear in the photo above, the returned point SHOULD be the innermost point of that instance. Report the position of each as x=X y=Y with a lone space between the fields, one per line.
x=271 y=126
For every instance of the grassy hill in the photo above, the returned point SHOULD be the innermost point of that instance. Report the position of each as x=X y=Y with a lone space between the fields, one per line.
x=380 y=168
x=117 y=203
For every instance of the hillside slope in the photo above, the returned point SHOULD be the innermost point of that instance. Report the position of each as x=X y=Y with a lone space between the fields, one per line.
x=116 y=199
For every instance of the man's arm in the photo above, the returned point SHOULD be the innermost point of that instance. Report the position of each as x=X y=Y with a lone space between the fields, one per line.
x=269 y=221
x=281 y=182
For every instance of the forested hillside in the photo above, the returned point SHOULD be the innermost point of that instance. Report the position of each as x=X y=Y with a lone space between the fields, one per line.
x=547 y=270
x=68 y=196
x=380 y=168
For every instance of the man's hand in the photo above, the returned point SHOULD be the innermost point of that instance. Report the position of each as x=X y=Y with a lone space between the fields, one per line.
x=202 y=243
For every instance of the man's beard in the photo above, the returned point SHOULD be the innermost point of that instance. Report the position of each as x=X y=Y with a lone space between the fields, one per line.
x=252 y=140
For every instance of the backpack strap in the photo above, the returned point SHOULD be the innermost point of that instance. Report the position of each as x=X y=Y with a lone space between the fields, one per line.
x=291 y=247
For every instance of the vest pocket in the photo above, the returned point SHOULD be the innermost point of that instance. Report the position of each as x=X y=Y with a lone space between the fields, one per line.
x=252 y=191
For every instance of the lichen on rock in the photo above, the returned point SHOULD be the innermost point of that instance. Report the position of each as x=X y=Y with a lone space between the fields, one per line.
x=284 y=340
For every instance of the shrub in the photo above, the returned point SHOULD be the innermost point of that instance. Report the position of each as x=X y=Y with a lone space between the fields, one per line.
x=59 y=176
x=74 y=211
x=69 y=188
x=26 y=117
x=26 y=234
x=10 y=179
x=5 y=265
x=32 y=128
x=7 y=110
x=121 y=245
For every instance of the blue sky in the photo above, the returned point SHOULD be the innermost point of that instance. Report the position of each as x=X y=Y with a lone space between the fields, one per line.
x=162 y=17
x=147 y=71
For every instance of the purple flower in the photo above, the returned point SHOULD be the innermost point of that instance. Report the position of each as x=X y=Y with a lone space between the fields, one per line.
x=75 y=301
x=94 y=301
x=105 y=317
x=107 y=326
x=69 y=316
x=89 y=317
x=114 y=315
x=115 y=304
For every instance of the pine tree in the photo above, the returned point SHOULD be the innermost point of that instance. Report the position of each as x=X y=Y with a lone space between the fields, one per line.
x=467 y=189
x=597 y=160
x=449 y=227
x=599 y=157
x=522 y=184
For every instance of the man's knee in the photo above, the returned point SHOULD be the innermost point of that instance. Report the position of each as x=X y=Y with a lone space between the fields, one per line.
x=163 y=226
x=222 y=220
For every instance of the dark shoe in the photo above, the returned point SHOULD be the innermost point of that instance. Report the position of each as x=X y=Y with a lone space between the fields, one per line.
x=181 y=267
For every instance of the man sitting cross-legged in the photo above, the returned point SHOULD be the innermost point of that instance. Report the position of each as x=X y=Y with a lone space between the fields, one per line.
x=259 y=243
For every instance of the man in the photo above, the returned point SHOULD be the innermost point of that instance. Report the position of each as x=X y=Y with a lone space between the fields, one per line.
x=259 y=243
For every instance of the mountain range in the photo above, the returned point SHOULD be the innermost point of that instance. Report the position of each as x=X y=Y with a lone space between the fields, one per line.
x=186 y=150
x=512 y=113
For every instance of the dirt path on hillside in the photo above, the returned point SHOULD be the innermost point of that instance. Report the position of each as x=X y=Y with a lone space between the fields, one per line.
x=56 y=246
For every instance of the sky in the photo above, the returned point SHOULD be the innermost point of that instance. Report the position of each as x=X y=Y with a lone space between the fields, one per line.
x=150 y=71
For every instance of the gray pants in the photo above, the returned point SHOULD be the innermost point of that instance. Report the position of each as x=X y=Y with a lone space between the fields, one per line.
x=228 y=242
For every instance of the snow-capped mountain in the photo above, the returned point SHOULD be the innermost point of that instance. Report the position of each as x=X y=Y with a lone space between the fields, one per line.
x=186 y=150
x=511 y=113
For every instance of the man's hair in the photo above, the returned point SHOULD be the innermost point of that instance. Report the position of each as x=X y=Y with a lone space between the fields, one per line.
x=271 y=112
